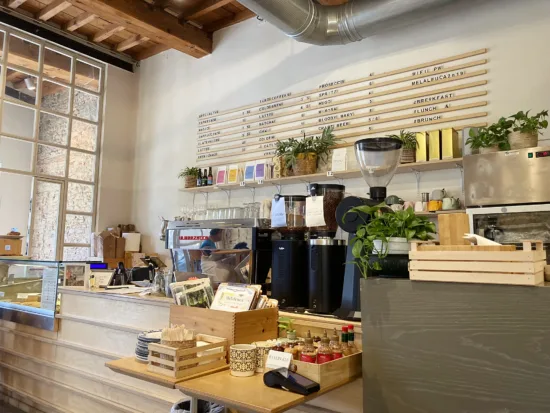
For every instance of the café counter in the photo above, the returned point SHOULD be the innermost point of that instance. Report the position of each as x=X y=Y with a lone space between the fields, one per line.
x=64 y=370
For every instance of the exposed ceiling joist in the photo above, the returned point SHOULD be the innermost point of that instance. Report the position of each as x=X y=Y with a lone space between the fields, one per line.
x=131 y=42
x=230 y=21
x=55 y=7
x=79 y=21
x=150 y=51
x=204 y=8
x=107 y=32
x=13 y=4
x=159 y=26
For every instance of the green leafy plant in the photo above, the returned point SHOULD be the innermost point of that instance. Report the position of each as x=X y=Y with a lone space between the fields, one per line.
x=194 y=172
x=320 y=145
x=492 y=135
x=383 y=223
x=408 y=139
x=524 y=123
x=285 y=323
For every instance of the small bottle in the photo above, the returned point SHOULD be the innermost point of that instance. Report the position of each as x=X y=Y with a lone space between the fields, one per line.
x=351 y=339
x=278 y=347
x=204 y=178
x=292 y=349
x=199 y=178
x=210 y=178
x=324 y=352
x=308 y=351
x=335 y=346
x=345 y=348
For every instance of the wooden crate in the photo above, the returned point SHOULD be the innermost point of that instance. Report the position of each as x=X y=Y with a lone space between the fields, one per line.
x=171 y=364
x=333 y=372
x=238 y=328
x=484 y=265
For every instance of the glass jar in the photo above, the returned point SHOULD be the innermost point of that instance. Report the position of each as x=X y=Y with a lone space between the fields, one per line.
x=255 y=209
x=332 y=196
x=295 y=207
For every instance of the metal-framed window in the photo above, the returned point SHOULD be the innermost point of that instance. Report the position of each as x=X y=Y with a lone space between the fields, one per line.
x=51 y=121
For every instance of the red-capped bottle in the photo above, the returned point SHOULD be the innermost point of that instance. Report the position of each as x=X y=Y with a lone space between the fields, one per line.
x=308 y=354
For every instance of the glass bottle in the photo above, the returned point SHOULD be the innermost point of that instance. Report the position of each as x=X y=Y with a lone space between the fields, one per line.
x=308 y=351
x=278 y=347
x=292 y=349
x=337 y=352
x=205 y=178
x=324 y=352
x=210 y=178
x=351 y=340
x=345 y=348
x=199 y=178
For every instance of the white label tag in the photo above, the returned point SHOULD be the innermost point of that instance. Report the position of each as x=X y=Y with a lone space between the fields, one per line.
x=22 y=296
x=260 y=182
x=315 y=214
x=242 y=183
x=278 y=212
x=2 y=294
x=330 y=173
x=7 y=247
x=339 y=160
x=277 y=360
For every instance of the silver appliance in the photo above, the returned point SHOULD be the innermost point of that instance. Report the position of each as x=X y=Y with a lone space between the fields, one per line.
x=233 y=250
x=507 y=177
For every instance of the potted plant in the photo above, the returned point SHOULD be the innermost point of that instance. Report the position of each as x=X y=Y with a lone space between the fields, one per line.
x=492 y=138
x=409 y=145
x=281 y=149
x=302 y=156
x=190 y=175
x=386 y=232
x=525 y=129
x=285 y=323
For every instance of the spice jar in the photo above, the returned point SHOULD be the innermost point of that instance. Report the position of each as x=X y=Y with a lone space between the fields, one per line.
x=278 y=347
x=332 y=196
x=346 y=351
x=292 y=349
x=351 y=340
x=309 y=354
x=335 y=346
x=324 y=352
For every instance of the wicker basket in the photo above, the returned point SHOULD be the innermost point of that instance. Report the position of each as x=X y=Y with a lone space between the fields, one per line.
x=190 y=181
x=408 y=155
x=490 y=149
x=520 y=140
x=306 y=164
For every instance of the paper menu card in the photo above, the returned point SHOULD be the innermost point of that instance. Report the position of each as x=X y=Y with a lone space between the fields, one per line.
x=339 y=160
x=220 y=176
x=315 y=214
x=249 y=171
x=233 y=175
x=278 y=212
x=234 y=297
x=49 y=289
x=260 y=170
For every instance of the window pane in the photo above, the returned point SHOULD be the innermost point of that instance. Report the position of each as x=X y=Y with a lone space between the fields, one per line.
x=84 y=135
x=47 y=203
x=80 y=197
x=57 y=65
x=76 y=253
x=14 y=208
x=85 y=105
x=55 y=97
x=16 y=154
x=18 y=120
x=53 y=129
x=51 y=160
x=81 y=166
x=2 y=36
x=87 y=76
x=23 y=53
x=77 y=229
x=21 y=86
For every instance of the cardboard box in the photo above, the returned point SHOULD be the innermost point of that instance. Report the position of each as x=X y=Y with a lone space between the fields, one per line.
x=109 y=246
x=10 y=246
x=449 y=144
x=133 y=259
x=422 y=148
x=434 y=144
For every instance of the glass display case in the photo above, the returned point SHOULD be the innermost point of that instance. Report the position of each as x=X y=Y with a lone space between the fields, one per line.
x=28 y=291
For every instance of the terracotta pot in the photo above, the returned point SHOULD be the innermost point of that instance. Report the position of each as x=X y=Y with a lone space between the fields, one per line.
x=408 y=155
x=491 y=149
x=306 y=164
x=520 y=140
x=190 y=181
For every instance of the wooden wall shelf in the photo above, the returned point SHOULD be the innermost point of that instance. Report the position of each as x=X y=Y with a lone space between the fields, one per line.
x=322 y=177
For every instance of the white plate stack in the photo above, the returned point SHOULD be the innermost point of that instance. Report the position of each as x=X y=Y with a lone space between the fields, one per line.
x=142 y=347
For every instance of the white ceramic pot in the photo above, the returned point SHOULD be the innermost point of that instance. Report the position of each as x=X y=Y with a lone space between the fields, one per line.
x=394 y=246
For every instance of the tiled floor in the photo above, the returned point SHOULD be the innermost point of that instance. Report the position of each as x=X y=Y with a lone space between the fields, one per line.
x=6 y=408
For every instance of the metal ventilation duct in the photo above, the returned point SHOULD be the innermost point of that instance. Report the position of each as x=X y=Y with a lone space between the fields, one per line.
x=310 y=22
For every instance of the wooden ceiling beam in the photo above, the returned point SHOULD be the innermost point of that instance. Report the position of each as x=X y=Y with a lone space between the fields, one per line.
x=229 y=21
x=203 y=8
x=55 y=7
x=139 y=17
x=13 y=4
x=107 y=32
x=150 y=51
x=79 y=21
x=131 y=42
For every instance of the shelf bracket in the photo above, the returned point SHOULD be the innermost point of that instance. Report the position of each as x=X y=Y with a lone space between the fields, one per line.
x=417 y=176
x=205 y=195
x=459 y=166
x=228 y=193
x=194 y=195
x=279 y=188
x=253 y=190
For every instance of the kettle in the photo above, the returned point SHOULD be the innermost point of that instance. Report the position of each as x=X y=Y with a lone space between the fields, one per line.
x=438 y=194
x=450 y=203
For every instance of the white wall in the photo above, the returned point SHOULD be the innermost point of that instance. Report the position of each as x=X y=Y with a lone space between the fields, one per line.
x=253 y=60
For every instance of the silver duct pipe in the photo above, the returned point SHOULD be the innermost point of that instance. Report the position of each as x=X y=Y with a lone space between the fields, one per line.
x=310 y=22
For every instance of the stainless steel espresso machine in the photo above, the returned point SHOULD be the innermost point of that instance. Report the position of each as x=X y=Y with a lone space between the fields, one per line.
x=234 y=250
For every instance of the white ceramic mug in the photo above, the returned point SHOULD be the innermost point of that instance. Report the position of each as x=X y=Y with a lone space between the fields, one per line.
x=397 y=207
x=418 y=206
x=242 y=360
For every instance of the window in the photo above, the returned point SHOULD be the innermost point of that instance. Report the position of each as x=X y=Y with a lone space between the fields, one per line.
x=51 y=106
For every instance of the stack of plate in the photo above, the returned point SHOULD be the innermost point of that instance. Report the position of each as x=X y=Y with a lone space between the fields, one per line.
x=142 y=347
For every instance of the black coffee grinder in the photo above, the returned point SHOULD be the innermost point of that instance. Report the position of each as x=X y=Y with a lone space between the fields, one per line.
x=378 y=159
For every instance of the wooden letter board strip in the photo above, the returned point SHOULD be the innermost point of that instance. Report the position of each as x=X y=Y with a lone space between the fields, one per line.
x=431 y=93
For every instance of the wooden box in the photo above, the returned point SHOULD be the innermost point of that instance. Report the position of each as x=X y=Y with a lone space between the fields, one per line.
x=238 y=328
x=484 y=265
x=167 y=360
x=333 y=372
x=10 y=246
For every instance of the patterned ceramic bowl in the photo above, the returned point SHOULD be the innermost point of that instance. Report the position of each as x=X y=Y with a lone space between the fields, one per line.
x=242 y=360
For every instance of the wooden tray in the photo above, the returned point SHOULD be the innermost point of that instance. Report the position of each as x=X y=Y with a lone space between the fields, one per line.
x=333 y=372
x=478 y=265
x=173 y=365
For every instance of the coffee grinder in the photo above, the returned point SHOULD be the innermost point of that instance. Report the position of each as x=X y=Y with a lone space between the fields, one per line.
x=378 y=159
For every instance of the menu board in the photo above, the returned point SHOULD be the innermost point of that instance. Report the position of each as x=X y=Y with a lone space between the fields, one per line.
x=49 y=289
x=450 y=90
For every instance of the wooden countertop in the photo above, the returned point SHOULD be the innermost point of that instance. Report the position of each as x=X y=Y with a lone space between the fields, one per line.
x=248 y=394
x=115 y=295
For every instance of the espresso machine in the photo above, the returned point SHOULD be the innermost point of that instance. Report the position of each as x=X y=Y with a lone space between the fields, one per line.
x=378 y=159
